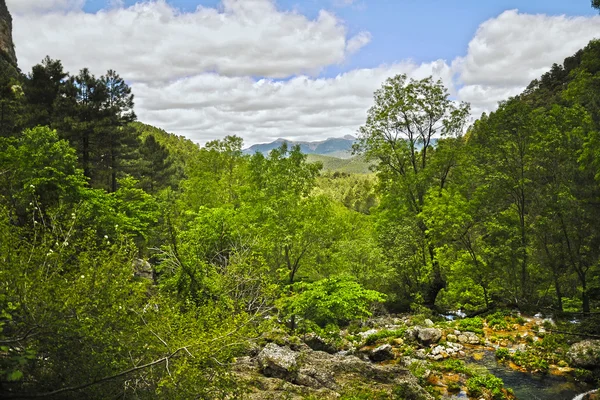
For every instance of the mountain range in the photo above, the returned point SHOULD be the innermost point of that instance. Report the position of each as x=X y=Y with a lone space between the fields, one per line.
x=333 y=147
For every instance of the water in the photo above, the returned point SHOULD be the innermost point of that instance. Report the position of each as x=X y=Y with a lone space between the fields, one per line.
x=533 y=386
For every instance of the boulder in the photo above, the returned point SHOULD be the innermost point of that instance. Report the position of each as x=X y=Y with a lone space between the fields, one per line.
x=382 y=353
x=585 y=354
x=427 y=336
x=451 y=338
x=143 y=269
x=317 y=343
x=468 y=337
x=278 y=362
x=428 y=323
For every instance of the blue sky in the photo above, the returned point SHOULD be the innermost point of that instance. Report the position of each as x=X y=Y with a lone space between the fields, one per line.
x=250 y=68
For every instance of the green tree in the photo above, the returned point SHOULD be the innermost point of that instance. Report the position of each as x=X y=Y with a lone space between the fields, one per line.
x=399 y=133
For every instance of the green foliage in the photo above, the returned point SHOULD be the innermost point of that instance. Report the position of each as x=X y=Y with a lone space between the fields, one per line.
x=384 y=334
x=497 y=321
x=341 y=166
x=477 y=384
x=502 y=354
x=471 y=325
x=335 y=300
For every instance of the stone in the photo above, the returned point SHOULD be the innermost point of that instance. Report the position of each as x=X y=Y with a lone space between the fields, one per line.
x=428 y=323
x=277 y=362
x=468 y=337
x=317 y=343
x=585 y=354
x=7 y=47
x=427 y=336
x=368 y=333
x=143 y=269
x=451 y=338
x=382 y=353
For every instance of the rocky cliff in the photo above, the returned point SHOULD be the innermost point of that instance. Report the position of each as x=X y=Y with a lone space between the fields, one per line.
x=7 y=48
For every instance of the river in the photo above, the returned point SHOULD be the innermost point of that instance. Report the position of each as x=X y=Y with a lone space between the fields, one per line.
x=532 y=386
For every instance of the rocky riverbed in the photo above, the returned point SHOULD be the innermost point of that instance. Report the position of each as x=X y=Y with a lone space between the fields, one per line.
x=398 y=357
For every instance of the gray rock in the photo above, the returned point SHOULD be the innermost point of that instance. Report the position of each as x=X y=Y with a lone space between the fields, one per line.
x=428 y=323
x=277 y=362
x=427 y=336
x=6 y=42
x=143 y=269
x=585 y=354
x=451 y=338
x=368 y=333
x=468 y=337
x=317 y=343
x=382 y=353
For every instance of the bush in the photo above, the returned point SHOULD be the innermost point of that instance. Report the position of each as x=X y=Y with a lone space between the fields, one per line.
x=384 y=334
x=476 y=384
x=497 y=321
x=471 y=324
x=502 y=354
x=335 y=300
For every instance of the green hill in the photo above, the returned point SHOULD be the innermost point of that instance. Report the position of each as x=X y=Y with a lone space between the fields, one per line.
x=354 y=165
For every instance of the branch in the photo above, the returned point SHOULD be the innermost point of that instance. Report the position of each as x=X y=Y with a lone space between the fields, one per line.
x=95 y=382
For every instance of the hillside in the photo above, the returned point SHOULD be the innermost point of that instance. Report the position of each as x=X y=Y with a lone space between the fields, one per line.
x=353 y=165
x=338 y=147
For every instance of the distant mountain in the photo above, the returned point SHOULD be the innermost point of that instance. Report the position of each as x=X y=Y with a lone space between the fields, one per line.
x=335 y=147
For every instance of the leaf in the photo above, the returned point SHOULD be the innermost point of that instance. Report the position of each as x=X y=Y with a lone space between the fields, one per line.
x=14 y=376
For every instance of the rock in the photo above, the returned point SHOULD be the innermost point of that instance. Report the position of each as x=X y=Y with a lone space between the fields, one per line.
x=585 y=354
x=468 y=337
x=316 y=379
x=428 y=323
x=7 y=47
x=277 y=362
x=451 y=338
x=368 y=333
x=143 y=269
x=382 y=353
x=317 y=343
x=427 y=336
x=420 y=353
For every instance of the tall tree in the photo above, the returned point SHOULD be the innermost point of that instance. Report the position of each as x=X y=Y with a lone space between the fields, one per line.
x=117 y=138
x=400 y=131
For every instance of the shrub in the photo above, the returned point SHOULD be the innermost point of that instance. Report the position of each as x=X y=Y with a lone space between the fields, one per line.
x=497 y=321
x=384 y=334
x=476 y=384
x=471 y=325
x=335 y=300
x=502 y=354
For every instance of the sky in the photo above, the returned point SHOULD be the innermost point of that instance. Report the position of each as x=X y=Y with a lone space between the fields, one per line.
x=302 y=70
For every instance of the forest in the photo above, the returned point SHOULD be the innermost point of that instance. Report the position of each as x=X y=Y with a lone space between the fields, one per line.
x=137 y=264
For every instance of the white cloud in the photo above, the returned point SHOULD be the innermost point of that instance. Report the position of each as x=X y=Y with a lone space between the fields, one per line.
x=152 y=41
x=511 y=50
x=207 y=106
x=196 y=73
x=42 y=6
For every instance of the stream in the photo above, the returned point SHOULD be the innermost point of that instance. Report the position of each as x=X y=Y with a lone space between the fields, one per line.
x=531 y=386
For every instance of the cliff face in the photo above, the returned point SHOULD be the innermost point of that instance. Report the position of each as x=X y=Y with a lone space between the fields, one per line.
x=7 y=48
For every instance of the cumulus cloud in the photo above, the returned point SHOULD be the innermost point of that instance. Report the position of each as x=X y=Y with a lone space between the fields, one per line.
x=42 y=6
x=218 y=71
x=511 y=50
x=209 y=105
x=152 y=41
